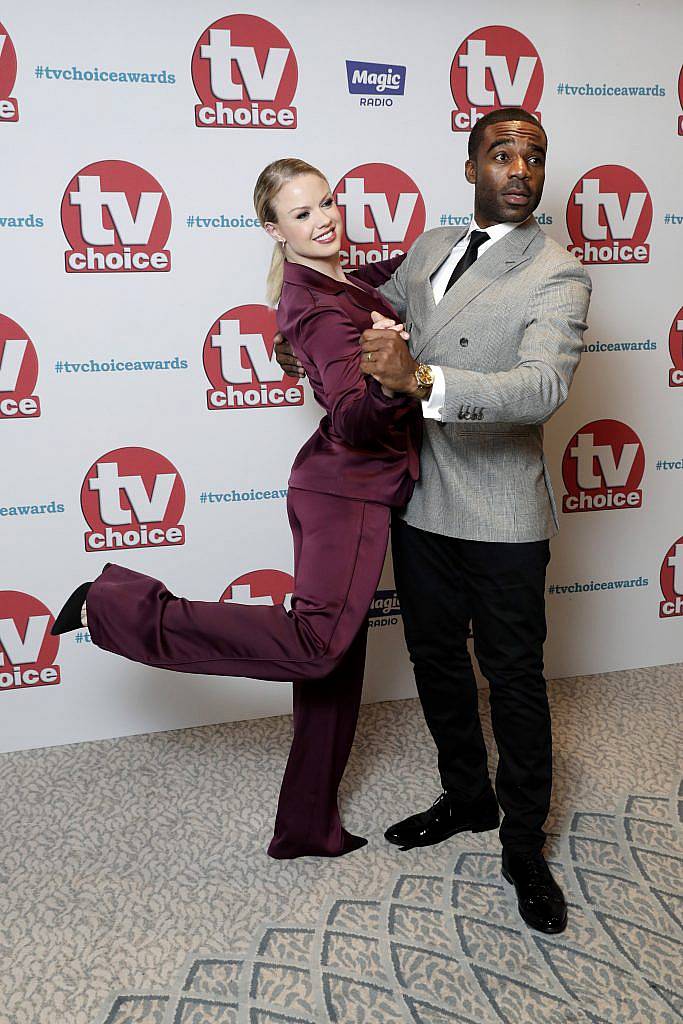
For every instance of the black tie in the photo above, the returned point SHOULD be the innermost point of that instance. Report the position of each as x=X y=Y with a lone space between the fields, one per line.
x=469 y=256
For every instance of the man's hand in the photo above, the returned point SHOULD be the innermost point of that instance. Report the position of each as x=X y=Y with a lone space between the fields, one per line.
x=287 y=361
x=385 y=357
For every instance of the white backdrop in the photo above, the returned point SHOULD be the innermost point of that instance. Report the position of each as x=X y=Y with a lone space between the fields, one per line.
x=93 y=363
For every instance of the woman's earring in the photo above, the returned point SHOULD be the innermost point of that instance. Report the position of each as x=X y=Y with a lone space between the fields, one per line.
x=283 y=243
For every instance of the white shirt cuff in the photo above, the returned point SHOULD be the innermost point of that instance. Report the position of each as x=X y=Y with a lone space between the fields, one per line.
x=432 y=407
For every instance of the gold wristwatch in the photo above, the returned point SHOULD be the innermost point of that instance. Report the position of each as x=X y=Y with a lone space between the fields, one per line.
x=424 y=375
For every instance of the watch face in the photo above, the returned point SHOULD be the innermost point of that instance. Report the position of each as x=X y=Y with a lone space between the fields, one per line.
x=425 y=375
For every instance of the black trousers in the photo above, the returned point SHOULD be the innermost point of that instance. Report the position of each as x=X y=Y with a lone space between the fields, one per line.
x=444 y=583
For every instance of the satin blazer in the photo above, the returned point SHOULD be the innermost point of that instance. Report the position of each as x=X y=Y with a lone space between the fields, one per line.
x=367 y=445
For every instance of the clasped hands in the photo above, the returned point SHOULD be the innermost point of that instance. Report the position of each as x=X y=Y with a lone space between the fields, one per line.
x=384 y=356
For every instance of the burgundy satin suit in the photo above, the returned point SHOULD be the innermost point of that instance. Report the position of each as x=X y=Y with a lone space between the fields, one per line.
x=362 y=460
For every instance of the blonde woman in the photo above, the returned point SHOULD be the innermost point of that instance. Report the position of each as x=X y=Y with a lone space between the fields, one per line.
x=361 y=461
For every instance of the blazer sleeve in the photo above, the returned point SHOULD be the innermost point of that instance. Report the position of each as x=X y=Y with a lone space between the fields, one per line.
x=549 y=353
x=389 y=277
x=361 y=414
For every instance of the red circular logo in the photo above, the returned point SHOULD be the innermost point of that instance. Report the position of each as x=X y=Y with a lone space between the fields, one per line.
x=132 y=498
x=261 y=586
x=245 y=74
x=602 y=468
x=494 y=67
x=671 y=581
x=8 y=64
x=116 y=217
x=27 y=650
x=609 y=216
x=18 y=372
x=676 y=350
x=240 y=363
x=382 y=211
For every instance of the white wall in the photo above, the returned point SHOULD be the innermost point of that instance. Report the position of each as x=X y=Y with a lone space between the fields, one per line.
x=66 y=125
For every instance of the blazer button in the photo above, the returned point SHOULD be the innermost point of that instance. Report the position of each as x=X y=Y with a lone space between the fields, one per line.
x=464 y=342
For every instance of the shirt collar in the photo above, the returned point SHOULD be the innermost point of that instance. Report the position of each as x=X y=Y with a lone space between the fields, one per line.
x=494 y=231
x=297 y=273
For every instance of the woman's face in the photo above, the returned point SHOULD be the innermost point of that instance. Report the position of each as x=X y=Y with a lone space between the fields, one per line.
x=308 y=219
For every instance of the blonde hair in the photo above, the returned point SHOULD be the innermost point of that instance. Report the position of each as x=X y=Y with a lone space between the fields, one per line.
x=269 y=182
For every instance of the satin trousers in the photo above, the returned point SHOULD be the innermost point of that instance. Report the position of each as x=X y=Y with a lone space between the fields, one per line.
x=339 y=550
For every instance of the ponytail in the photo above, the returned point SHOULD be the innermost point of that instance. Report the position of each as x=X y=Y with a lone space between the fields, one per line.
x=275 y=275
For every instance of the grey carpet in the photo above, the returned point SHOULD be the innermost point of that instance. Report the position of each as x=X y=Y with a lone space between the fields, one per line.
x=136 y=889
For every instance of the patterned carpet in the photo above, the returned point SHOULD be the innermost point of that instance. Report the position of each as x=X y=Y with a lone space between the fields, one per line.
x=136 y=889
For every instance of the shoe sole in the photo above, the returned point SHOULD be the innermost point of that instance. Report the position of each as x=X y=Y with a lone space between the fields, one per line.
x=482 y=827
x=552 y=930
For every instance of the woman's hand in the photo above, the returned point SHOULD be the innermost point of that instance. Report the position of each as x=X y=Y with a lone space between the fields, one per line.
x=383 y=323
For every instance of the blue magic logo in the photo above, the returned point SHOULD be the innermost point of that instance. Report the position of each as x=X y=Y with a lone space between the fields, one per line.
x=375 y=79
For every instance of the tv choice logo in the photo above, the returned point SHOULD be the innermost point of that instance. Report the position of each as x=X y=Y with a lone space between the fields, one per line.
x=494 y=67
x=261 y=587
x=382 y=211
x=240 y=363
x=676 y=350
x=18 y=373
x=376 y=84
x=27 y=650
x=133 y=498
x=117 y=219
x=602 y=468
x=609 y=216
x=245 y=74
x=671 y=581
x=9 y=108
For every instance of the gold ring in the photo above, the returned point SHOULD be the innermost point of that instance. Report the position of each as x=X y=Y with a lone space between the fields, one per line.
x=369 y=357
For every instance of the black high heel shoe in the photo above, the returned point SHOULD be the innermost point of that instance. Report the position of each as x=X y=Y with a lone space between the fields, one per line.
x=70 y=616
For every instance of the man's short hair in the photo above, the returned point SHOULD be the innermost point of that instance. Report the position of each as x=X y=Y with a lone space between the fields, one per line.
x=495 y=117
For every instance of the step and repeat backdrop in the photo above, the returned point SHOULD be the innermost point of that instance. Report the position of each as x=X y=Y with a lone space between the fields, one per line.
x=143 y=418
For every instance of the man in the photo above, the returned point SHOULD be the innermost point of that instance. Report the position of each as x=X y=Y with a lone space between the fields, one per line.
x=496 y=315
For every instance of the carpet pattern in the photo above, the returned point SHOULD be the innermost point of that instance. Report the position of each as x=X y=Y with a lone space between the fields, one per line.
x=451 y=948
x=135 y=888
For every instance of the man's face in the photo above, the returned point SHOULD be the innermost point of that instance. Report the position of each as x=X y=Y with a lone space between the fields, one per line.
x=508 y=172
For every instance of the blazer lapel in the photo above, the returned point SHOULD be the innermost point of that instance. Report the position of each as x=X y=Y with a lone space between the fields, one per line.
x=509 y=252
x=436 y=257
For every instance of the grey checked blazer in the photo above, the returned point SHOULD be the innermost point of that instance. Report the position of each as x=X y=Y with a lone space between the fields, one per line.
x=508 y=336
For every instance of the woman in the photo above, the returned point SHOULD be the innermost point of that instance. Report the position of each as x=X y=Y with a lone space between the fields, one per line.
x=361 y=461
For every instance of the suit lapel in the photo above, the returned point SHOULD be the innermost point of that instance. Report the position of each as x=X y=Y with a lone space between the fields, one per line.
x=509 y=252
x=436 y=257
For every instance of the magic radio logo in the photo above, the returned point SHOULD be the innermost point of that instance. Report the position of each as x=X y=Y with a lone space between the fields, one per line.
x=239 y=360
x=602 y=468
x=245 y=74
x=609 y=216
x=382 y=210
x=671 y=581
x=27 y=650
x=116 y=218
x=676 y=350
x=9 y=109
x=261 y=586
x=133 y=498
x=494 y=67
x=18 y=373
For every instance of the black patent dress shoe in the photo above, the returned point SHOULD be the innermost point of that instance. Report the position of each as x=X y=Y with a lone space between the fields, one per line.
x=540 y=900
x=70 y=616
x=444 y=819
